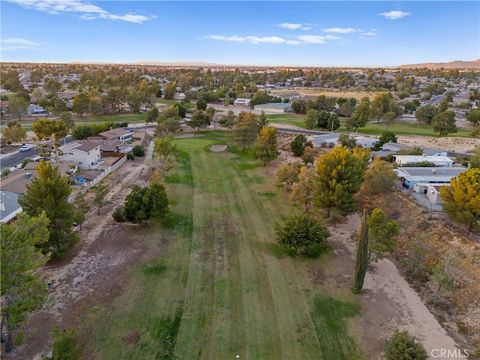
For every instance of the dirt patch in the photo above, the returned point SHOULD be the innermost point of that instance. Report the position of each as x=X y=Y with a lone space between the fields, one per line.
x=388 y=302
x=132 y=337
x=95 y=271
x=218 y=148
x=315 y=92
x=452 y=144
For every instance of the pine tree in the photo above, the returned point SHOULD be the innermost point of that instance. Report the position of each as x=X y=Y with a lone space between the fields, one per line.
x=361 y=261
x=49 y=192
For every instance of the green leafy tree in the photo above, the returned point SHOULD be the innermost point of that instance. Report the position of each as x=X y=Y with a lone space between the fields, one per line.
x=298 y=145
x=462 y=198
x=145 y=203
x=66 y=117
x=164 y=146
x=362 y=255
x=311 y=119
x=81 y=104
x=49 y=193
x=245 y=130
x=14 y=133
x=403 y=346
x=473 y=116
x=202 y=104
x=65 y=345
x=265 y=147
x=21 y=287
x=382 y=234
x=444 y=123
x=52 y=86
x=339 y=175
x=475 y=158
x=101 y=192
x=302 y=235
x=46 y=129
x=262 y=120
x=425 y=114
x=17 y=105
x=387 y=136
x=360 y=116
x=228 y=120
x=82 y=207
x=170 y=90
x=152 y=115
x=199 y=120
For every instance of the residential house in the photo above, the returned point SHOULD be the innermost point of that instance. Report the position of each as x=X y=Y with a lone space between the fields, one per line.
x=9 y=206
x=34 y=109
x=418 y=178
x=433 y=193
x=121 y=134
x=324 y=140
x=84 y=153
x=242 y=102
x=440 y=161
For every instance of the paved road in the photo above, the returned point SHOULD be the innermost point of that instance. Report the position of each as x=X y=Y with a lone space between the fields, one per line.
x=17 y=158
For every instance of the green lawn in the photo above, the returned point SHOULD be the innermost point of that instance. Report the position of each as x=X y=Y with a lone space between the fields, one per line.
x=218 y=288
x=289 y=119
x=130 y=118
x=405 y=128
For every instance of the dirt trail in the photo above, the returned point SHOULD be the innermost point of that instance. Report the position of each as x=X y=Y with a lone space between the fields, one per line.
x=388 y=301
x=93 y=271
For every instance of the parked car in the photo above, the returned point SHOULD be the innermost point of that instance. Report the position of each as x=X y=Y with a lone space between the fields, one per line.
x=25 y=147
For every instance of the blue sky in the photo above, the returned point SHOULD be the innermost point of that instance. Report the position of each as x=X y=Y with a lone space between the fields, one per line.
x=261 y=33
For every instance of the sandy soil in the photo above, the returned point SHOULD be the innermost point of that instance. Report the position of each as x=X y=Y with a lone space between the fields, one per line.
x=454 y=144
x=388 y=301
x=218 y=148
x=95 y=270
x=315 y=92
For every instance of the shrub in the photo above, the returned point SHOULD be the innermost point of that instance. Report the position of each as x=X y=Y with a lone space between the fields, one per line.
x=302 y=235
x=118 y=214
x=65 y=345
x=403 y=346
x=298 y=145
x=144 y=203
x=130 y=156
x=138 y=150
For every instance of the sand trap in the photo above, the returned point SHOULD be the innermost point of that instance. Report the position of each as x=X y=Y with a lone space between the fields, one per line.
x=218 y=148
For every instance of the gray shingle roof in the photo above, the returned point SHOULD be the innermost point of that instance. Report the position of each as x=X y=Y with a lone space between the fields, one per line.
x=9 y=205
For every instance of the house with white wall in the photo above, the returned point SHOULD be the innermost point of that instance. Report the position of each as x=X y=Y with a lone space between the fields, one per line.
x=84 y=153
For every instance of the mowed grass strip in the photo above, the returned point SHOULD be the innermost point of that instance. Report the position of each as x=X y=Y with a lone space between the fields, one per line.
x=216 y=288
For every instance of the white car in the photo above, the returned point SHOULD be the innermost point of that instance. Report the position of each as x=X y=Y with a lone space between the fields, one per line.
x=25 y=147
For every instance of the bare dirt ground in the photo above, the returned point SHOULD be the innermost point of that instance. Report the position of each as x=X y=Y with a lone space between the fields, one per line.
x=388 y=301
x=315 y=92
x=453 y=144
x=95 y=270
x=218 y=148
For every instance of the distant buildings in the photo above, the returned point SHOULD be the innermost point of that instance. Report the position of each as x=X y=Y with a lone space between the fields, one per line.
x=242 y=102
x=272 y=108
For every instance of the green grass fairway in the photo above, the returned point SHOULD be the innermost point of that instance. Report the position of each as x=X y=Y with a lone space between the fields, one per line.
x=406 y=128
x=289 y=119
x=218 y=288
x=130 y=118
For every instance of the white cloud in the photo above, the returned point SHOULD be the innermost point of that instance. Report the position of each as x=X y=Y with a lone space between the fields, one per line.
x=295 y=26
x=87 y=11
x=369 y=33
x=293 y=42
x=227 y=38
x=265 y=39
x=394 y=14
x=313 y=39
x=340 y=30
x=19 y=44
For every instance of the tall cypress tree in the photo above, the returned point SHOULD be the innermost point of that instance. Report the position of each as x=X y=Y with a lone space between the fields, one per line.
x=361 y=261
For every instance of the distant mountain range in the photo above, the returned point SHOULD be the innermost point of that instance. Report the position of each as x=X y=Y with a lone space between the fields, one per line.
x=457 y=64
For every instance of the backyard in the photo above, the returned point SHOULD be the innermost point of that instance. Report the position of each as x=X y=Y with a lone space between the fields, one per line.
x=218 y=286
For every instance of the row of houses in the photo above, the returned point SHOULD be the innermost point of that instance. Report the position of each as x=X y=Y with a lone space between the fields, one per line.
x=86 y=162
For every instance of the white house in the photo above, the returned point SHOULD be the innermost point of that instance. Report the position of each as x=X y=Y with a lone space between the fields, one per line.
x=440 y=161
x=242 y=102
x=84 y=153
x=121 y=134
x=433 y=193
x=365 y=142
x=418 y=177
